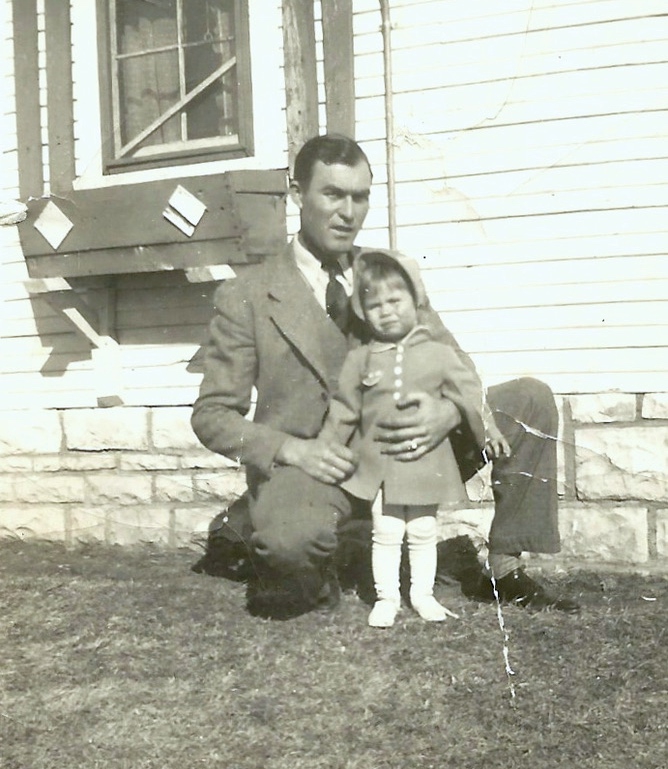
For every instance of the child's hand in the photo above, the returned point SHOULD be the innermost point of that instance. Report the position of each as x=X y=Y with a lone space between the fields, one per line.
x=496 y=444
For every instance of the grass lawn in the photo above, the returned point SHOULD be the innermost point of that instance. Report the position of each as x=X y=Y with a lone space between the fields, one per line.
x=125 y=659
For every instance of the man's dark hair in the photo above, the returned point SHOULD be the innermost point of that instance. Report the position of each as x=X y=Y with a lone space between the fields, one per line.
x=329 y=149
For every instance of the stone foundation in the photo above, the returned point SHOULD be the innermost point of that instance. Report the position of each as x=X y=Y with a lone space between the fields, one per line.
x=130 y=475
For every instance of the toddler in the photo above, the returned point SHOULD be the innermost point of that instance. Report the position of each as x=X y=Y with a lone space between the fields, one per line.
x=401 y=358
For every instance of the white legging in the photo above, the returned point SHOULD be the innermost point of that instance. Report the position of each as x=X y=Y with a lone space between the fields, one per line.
x=390 y=524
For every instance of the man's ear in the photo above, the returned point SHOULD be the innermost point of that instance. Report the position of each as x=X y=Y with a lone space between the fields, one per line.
x=295 y=192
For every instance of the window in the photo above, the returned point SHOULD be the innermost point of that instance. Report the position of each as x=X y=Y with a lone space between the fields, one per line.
x=176 y=81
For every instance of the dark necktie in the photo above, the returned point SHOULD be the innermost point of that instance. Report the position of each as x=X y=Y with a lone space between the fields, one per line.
x=336 y=299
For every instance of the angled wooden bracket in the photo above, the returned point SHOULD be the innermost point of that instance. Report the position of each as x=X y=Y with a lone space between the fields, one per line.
x=95 y=325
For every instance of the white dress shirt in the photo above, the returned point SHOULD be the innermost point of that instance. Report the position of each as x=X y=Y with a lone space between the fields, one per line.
x=317 y=277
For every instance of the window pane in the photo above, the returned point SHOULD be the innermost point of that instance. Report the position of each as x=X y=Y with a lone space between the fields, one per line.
x=149 y=85
x=142 y=25
x=163 y=51
x=209 y=33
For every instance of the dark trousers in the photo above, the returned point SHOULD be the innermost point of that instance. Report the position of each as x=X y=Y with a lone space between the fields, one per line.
x=525 y=484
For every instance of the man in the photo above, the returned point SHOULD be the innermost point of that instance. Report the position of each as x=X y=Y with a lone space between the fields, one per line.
x=284 y=328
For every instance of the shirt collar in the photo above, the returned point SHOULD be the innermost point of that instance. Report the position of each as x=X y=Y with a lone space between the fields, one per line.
x=311 y=268
x=306 y=259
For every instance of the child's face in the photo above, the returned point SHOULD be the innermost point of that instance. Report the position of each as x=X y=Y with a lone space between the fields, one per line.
x=389 y=309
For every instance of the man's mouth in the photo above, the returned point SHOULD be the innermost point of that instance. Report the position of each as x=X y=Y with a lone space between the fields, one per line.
x=343 y=230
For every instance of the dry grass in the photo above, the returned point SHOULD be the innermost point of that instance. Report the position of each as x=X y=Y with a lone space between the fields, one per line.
x=123 y=658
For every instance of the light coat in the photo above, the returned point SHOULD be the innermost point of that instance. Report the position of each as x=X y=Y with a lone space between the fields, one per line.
x=373 y=378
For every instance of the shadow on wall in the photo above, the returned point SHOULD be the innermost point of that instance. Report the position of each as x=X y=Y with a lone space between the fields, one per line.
x=143 y=309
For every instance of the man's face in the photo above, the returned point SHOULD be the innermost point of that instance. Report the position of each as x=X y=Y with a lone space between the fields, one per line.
x=333 y=207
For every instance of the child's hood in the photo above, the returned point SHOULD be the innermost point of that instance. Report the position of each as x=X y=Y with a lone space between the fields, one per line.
x=408 y=266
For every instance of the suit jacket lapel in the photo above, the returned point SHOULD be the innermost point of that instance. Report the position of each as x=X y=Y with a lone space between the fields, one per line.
x=304 y=323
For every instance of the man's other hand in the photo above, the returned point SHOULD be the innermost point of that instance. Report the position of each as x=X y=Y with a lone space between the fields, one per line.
x=420 y=423
x=325 y=460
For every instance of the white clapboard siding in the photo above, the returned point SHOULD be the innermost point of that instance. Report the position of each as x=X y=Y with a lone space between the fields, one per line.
x=575 y=142
x=530 y=159
x=489 y=296
x=617 y=315
x=159 y=319
x=530 y=166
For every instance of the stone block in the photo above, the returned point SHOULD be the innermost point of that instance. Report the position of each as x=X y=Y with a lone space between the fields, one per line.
x=86 y=524
x=473 y=522
x=191 y=525
x=100 y=429
x=479 y=487
x=75 y=462
x=33 y=521
x=604 y=533
x=148 y=462
x=221 y=486
x=137 y=524
x=30 y=432
x=119 y=489
x=174 y=488
x=171 y=429
x=16 y=464
x=655 y=406
x=603 y=407
x=662 y=533
x=36 y=489
x=562 y=449
x=622 y=463
x=7 y=488
x=207 y=460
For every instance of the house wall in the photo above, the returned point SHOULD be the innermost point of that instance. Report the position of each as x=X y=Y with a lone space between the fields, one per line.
x=160 y=318
x=529 y=156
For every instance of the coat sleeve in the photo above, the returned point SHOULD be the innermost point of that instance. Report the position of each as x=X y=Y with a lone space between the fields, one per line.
x=432 y=320
x=463 y=387
x=230 y=370
x=345 y=408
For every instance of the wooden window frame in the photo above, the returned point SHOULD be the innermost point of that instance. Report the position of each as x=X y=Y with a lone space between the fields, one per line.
x=244 y=147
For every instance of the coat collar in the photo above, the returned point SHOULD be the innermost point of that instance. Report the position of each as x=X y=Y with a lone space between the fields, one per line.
x=416 y=335
x=296 y=312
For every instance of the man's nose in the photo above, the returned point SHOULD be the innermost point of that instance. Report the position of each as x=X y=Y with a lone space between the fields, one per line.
x=346 y=208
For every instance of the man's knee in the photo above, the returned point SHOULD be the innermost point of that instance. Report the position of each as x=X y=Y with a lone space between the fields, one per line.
x=543 y=403
x=295 y=520
x=289 y=548
x=528 y=400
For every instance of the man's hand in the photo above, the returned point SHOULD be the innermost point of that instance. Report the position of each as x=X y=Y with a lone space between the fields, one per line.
x=325 y=460
x=420 y=423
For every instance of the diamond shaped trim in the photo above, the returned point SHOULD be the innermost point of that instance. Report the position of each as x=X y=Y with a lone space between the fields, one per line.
x=53 y=225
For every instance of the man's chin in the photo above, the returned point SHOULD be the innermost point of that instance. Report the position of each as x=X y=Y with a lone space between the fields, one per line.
x=340 y=244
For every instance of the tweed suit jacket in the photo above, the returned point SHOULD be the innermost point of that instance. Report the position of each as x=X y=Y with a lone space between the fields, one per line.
x=269 y=334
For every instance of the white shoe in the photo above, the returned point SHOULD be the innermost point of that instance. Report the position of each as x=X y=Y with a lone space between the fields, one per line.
x=383 y=614
x=431 y=610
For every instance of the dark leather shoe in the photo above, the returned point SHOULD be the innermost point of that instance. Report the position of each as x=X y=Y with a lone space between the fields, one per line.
x=518 y=588
x=275 y=595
